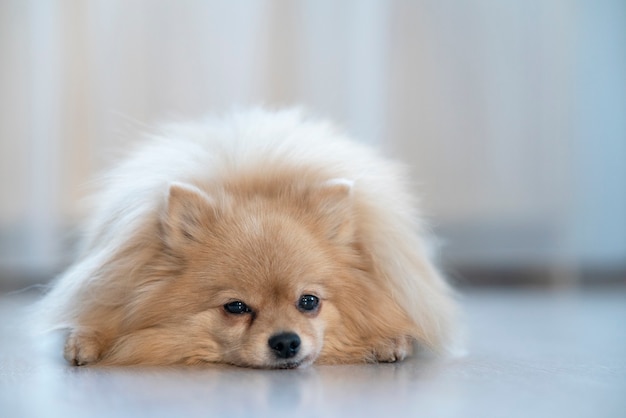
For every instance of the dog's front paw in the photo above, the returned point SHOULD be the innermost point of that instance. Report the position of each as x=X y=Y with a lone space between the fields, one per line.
x=82 y=347
x=396 y=349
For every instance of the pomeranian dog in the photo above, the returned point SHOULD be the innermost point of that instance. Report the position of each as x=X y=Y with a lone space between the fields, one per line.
x=262 y=239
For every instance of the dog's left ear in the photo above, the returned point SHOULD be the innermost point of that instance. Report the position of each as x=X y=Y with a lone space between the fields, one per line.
x=334 y=202
x=189 y=213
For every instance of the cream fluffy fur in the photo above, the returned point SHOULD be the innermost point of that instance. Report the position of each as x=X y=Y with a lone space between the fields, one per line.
x=263 y=208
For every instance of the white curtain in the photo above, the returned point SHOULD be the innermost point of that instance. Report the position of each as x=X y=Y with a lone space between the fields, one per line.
x=511 y=114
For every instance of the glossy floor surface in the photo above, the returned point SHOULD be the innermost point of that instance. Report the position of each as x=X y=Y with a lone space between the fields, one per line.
x=530 y=354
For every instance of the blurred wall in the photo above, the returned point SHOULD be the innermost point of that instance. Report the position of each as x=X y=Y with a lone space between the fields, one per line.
x=512 y=115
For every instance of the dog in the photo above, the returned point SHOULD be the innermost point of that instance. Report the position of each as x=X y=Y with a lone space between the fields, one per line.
x=264 y=239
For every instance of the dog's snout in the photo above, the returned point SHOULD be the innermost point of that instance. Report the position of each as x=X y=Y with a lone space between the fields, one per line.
x=285 y=344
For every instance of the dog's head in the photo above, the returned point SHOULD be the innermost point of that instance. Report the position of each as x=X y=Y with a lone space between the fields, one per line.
x=257 y=278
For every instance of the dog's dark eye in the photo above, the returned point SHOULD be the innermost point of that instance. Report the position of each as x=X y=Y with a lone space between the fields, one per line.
x=308 y=302
x=237 y=307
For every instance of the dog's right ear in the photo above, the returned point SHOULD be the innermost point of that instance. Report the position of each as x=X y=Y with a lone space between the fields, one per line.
x=188 y=214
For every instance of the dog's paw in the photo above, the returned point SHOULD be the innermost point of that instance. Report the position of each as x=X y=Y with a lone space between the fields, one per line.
x=396 y=349
x=82 y=347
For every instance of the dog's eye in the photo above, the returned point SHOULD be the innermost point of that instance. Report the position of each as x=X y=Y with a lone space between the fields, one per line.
x=308 y=302
x=237 y=307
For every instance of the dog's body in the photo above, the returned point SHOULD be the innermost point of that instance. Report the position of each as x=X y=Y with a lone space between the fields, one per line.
x=262 y=240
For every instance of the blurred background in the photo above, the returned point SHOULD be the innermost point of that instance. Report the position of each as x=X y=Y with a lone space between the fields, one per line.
x=511 y=114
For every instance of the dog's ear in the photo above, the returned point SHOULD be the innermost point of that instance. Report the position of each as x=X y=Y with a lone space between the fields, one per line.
x=334 y=202
x=189 y=212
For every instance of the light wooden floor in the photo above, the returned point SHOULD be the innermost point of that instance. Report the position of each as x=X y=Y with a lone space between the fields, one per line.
x=531 y=354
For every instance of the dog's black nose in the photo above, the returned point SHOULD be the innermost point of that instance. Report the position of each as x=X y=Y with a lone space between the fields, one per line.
x=285 y=344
